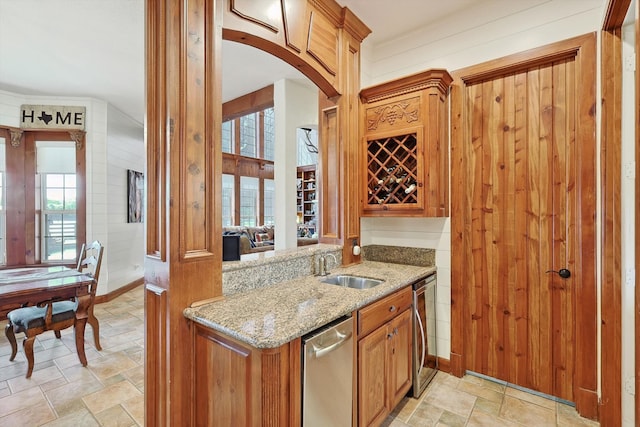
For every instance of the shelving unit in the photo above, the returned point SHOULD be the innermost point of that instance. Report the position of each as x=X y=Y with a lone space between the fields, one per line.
x=306 y=194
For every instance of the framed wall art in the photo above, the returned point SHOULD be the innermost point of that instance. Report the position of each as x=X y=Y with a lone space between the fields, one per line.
x=135 y=194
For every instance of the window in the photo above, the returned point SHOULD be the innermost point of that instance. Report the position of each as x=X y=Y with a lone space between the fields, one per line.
x=228 y=199
x=249 y=201
x=249 y=135
x=58 y=217
x=269 y=202
x=44 y=221
x=56 y=200
x=248 y=157
x=307 y=146
x=269 y=134
x=227 y=137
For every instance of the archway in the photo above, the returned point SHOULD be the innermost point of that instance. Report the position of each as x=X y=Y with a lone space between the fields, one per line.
x=183 y=262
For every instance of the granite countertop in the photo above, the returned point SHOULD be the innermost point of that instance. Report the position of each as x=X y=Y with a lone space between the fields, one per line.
x=272 y=316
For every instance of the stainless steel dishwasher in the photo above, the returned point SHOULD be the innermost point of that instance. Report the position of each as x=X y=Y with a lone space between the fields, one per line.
x=327 y=375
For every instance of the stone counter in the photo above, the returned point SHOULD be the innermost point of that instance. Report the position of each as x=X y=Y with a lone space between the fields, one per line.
x=265 y=269
x=271 y=316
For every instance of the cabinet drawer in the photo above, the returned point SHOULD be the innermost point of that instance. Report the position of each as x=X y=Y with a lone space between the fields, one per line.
x=379 y=312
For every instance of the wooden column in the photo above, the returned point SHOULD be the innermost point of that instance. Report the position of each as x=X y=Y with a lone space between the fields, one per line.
x=183 y=262
x=339 y=166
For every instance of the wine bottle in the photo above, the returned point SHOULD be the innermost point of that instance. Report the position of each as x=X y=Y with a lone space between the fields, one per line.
x=410 y=188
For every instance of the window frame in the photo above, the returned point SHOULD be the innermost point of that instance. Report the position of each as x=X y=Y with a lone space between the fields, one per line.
x=22 y=217
x=254 y=167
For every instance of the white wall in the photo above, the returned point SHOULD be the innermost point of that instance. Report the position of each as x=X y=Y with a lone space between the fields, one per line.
x=97 y=163
x=463 y=39
x=295 y=105
x=627 y=192
x=432 y=233
x=125 y=150
x=452 y=44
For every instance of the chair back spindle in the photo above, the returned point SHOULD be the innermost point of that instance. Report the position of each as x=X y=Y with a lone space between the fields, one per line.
x=91 y=260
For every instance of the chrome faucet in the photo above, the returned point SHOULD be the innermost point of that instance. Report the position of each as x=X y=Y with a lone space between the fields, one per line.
x=322 y=264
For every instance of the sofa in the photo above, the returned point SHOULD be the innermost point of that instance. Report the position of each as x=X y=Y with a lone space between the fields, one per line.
x=260 y=238
x=252 y=239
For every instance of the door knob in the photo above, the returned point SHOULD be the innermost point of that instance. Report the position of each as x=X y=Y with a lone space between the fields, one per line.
x=563 y=272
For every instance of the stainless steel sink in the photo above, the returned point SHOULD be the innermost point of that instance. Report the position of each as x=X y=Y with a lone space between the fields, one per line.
x=355 y=282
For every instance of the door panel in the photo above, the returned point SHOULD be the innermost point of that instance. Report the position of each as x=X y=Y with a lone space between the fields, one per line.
x=522 y=197
x=401 y=370
x=523 y=202
x=372 y=377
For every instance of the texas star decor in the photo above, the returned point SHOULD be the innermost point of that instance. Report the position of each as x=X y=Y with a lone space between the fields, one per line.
x=52 y=117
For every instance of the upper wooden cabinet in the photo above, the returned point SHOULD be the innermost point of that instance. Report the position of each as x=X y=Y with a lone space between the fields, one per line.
x=406 y=146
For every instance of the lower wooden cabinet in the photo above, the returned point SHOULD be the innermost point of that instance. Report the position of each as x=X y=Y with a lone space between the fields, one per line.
x=400 y=356
x=384 y=358
x=372 y=374
x=238 y=385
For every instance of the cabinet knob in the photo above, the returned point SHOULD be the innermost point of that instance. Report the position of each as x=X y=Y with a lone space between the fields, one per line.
x=392 y=309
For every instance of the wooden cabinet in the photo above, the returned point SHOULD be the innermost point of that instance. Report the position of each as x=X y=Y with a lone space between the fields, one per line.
x=236 y=384
x=400 y=356
x=384 y=356
x=306 y=195
x=406 y=146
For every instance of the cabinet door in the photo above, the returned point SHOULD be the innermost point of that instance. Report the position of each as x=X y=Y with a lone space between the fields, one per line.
x=226 y=390
x=372 y=374
x=400 y=356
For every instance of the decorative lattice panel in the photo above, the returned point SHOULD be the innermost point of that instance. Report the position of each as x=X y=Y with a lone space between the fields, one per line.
x=392 y=170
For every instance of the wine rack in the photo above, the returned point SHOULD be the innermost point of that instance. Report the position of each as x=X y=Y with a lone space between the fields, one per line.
x=392 y=166
x=405 y=151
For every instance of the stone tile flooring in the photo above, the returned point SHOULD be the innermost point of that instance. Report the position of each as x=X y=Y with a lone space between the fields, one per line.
x=475 y=402
x=109 y=391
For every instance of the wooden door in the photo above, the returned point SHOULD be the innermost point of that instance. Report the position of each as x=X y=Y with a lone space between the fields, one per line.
x=528 y=209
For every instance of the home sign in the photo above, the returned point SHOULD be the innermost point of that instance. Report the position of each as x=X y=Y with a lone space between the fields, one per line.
x=52 y=117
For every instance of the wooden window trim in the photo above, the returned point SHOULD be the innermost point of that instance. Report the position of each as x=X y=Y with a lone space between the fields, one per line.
x=20 y=182
x=238 y=165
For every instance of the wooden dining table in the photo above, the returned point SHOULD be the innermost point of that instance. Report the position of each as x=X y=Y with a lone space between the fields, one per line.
x=32 y=285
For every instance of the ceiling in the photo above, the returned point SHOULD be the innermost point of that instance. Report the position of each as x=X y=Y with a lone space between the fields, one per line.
x=95 y=48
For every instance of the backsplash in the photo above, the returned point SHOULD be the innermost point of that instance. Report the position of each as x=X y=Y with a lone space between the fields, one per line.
x=267 y=268
x=400 y=255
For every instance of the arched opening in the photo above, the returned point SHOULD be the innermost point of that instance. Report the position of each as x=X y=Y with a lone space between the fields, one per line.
x=183 y=263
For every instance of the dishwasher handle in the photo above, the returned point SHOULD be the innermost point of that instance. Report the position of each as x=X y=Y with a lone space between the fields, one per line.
x=322 y=351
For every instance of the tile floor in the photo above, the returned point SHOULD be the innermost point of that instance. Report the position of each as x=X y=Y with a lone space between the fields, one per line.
x=109 y=391
x=475 y=402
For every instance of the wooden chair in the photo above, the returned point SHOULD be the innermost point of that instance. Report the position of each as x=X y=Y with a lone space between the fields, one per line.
x=55 y=315
x=91 y=259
